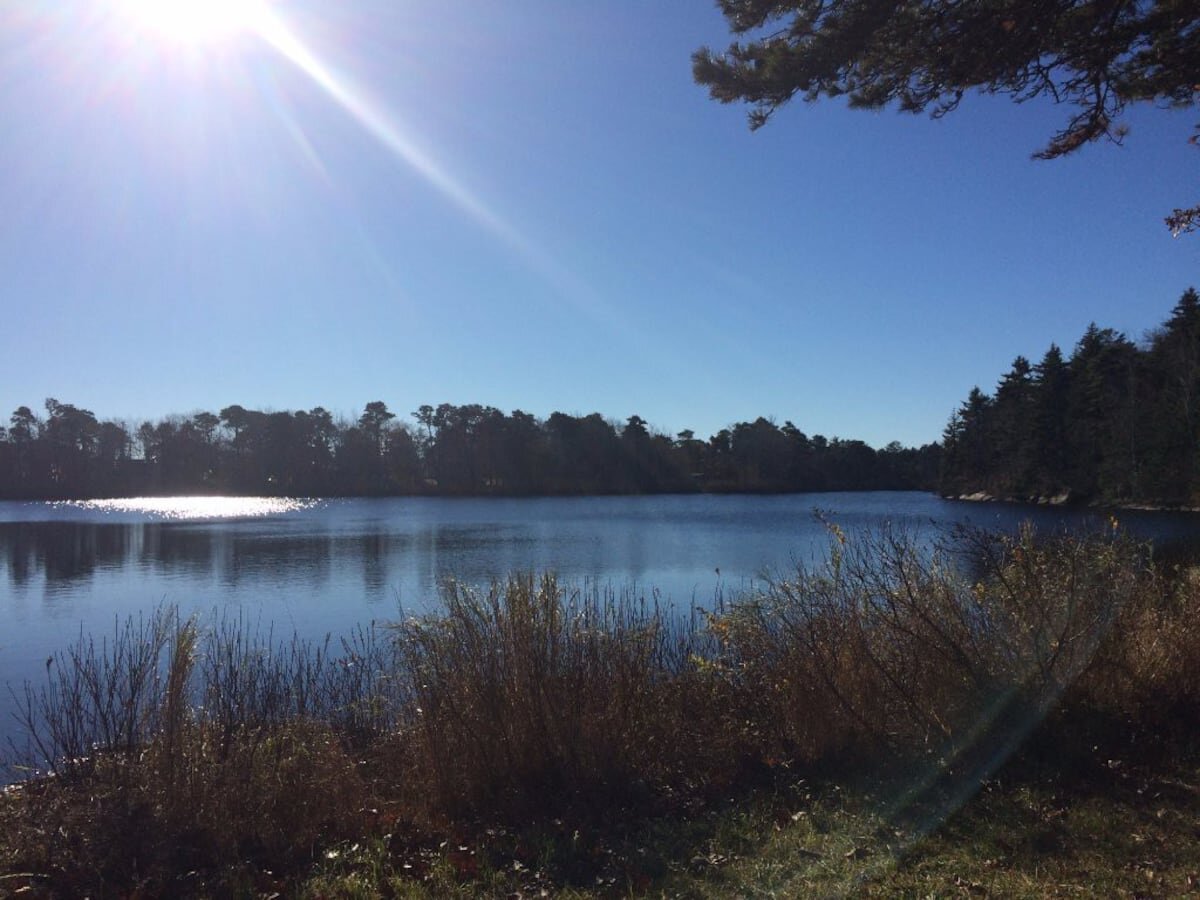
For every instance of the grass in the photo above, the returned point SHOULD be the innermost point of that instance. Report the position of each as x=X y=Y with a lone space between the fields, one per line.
x=1137 y=838
x=820 y=737
x=1032 y=833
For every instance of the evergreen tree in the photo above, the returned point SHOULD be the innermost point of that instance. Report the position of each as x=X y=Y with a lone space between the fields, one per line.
x=1102 y=415
x=1115 y=423
x=1051 y=443
x=1097 y=57
x=1175 y=358
x=1013 y=430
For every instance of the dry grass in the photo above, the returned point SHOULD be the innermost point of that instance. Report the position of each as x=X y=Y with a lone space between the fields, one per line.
x=936 y=663
x=533 y=735
x=531 y=696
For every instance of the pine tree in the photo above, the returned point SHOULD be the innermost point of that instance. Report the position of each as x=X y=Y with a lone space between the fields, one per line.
x=1051 y=444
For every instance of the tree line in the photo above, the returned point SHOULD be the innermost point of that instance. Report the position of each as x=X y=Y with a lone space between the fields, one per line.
x=1116 y=422
x=467 y=450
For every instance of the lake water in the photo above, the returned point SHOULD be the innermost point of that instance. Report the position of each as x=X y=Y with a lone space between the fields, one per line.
x=326 y=566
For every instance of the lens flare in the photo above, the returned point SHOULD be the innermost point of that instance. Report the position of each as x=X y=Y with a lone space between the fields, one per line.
x=384 y=128
x=272 y=30
x=209 y=25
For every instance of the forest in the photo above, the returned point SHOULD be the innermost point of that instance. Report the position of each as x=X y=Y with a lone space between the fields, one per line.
x=448 y=450
x=1115 y=423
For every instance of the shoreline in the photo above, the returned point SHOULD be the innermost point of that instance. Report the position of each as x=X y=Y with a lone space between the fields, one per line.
x=1066 y=500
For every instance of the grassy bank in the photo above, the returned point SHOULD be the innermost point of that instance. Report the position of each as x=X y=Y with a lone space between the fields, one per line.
x=535 y=738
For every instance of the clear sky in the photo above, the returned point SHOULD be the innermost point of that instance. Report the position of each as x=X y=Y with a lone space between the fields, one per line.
x=531 y=205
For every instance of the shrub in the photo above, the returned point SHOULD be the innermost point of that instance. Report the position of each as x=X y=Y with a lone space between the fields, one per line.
x=529 y=697
x=890 y=647
x=169 y=750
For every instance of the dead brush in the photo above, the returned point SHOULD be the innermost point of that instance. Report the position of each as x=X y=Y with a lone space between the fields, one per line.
x=171 y=749
x=1147 y=668
x=528 y=695
x=101 y=697
x=890 y=646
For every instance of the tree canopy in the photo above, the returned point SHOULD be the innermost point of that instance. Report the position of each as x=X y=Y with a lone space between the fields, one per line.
x=455 y=451
x=1116 y=422
x=1097 y=56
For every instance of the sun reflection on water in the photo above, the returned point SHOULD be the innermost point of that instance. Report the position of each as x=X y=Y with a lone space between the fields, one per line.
x=190 y=508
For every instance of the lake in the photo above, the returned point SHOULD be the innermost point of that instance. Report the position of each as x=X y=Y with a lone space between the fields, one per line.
x=325 y=566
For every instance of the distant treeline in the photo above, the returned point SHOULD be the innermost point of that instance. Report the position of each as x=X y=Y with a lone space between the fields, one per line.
x=447 y=450
x=1118 y=422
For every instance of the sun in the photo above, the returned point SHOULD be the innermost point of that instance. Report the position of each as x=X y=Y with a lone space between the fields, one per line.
x=193 y=22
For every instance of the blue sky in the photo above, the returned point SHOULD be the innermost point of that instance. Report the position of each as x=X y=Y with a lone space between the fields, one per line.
x=532 y=206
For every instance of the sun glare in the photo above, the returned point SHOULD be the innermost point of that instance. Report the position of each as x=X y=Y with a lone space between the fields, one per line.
x=193 y=22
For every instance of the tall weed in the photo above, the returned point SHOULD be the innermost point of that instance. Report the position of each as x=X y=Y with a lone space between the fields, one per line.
x=531 y=694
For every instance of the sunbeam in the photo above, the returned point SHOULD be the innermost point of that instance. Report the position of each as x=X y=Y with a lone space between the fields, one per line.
x=276 y=33
x=205 y=28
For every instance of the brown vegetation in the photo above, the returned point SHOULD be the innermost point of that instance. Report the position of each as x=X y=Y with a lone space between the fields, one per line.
x=185 y=761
